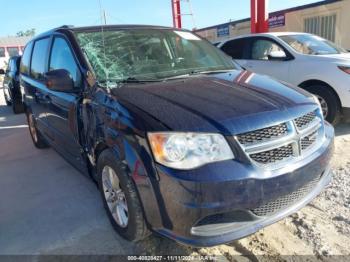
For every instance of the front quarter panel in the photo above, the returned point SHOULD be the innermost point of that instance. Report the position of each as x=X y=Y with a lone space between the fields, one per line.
x=118 y=128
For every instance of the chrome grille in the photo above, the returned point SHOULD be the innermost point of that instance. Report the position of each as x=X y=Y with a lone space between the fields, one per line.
x=309 y=140
x=304 y=121
x=274 y=155
x=274 y=146
x=263 y=134
x=286 y=200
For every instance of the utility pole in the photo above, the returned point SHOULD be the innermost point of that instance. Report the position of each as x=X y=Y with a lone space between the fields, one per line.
x=259 y=16
x=175 y=4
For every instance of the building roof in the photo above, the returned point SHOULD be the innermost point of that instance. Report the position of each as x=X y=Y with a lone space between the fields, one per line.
x=14 y=41
x=297 y=8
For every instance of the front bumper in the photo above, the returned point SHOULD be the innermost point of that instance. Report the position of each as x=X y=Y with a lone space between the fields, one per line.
x=187 y=198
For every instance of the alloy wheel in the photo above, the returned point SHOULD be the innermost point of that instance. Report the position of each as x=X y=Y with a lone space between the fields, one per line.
x=324 y=105
x=115 y=196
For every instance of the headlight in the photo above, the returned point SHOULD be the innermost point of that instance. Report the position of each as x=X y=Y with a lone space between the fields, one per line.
x=317 y=101
x=188 y=150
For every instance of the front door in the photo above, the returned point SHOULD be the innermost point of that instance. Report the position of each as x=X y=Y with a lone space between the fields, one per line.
x=267 y=57
x=63 y=107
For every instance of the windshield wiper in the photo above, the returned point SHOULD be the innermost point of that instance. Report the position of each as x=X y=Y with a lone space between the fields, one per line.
x=127 y=80
x=207 y=72
x=135 y=80
x=192 y=73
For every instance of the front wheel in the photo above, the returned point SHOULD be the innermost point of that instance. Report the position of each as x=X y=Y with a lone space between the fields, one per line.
x=120 y=198
x=330 y=106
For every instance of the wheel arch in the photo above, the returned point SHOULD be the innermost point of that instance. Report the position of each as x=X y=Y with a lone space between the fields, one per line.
x=313 y=82
x=134 y=164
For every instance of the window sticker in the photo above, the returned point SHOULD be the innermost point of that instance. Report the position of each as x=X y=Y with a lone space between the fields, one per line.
x=187 y=35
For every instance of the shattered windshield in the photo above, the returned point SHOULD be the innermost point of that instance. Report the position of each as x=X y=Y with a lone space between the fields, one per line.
x=148 y=54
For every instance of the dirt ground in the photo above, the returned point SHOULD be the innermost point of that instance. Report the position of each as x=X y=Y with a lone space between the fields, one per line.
x=320 y=230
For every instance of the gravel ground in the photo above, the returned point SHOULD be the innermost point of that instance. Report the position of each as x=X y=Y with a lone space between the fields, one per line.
x=318 y=231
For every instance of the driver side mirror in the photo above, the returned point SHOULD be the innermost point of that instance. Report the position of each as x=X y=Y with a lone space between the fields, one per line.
x=277 y=56
x=59 y=80
x=2 y=71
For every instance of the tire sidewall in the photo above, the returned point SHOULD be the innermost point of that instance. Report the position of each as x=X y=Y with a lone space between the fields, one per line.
x=328 y=95
x=107 y=158
x=17 y=107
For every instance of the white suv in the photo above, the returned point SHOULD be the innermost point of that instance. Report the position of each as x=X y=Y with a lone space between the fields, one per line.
x=308 y=61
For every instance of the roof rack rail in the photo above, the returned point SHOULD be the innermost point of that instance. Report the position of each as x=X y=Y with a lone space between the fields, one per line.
x=66 y=26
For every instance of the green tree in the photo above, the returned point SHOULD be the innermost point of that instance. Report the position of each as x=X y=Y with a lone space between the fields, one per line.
x=29 y=32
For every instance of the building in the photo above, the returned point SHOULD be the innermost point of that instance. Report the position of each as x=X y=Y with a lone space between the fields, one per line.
x=329 y=19
x=11 y=46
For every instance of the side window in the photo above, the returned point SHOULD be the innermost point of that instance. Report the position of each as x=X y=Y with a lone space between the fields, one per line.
x=2 y=51
x=62 y=58
x=37 y=68
x=13 y=51
x=25 y=61
x=9 y=65
x=263 y=48
x=235 y=48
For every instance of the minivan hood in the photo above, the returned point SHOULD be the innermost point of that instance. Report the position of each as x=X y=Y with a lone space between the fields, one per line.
x=229 y=103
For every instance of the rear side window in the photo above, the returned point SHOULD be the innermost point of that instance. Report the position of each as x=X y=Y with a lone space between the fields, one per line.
x=235 y=48
x=62 y=58
x=9 y=65
x=13 y=51
x=2 y=51
x=25 y=61
x=37 y=68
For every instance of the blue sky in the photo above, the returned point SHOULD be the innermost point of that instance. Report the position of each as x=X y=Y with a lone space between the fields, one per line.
x=42 y=15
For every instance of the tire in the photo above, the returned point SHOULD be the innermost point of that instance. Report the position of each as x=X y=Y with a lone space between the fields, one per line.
x=37 y=138
x=327 y=96
x=17 y=107
x=124 y=194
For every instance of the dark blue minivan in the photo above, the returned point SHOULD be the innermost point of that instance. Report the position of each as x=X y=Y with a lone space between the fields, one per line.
x=180 y=140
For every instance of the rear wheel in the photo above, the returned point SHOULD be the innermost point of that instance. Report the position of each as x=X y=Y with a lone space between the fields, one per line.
x=330 y=105
x=17 y=107
x=120 y=198
x=38 y=140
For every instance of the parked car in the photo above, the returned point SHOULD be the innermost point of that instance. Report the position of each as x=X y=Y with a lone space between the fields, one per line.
x=2 y=73
x=11 y=86
x=180 y=140
x=308 y=61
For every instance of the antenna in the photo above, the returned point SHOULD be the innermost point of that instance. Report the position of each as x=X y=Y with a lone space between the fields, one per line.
x=103 y=19
x=102 y=14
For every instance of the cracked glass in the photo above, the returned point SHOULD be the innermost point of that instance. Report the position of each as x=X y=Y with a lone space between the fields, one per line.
x=148 y=54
